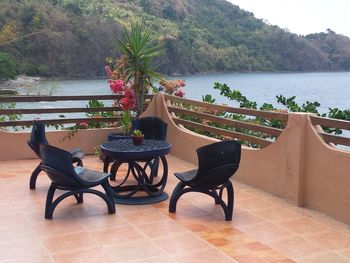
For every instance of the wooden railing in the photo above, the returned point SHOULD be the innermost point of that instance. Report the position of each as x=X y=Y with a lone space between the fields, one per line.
x=204 y=113
x=332 y=123
x=35 y=99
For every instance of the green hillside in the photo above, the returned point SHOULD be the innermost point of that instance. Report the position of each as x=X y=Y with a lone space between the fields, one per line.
x=72 y=38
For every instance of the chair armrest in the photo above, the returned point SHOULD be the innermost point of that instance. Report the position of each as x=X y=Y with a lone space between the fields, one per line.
x=77 y=153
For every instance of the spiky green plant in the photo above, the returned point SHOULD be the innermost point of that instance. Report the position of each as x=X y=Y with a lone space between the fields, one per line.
x=140 y=46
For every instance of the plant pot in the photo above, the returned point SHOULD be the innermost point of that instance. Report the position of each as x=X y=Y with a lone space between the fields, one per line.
x=117 y=136
x=137 y=140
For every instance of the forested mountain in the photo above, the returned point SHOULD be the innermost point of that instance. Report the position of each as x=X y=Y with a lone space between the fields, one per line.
x=72 y=38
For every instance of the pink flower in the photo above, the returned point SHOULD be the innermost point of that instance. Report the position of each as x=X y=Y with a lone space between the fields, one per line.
x=108 y=71
x=129 y=100
x=83 y=125
x=116 y=86
x=180 y=92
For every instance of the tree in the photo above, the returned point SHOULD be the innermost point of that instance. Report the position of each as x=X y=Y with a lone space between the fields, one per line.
x=140 y=48
x=7 y=67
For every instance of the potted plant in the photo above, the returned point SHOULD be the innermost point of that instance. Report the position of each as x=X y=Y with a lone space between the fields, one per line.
x=137 y=137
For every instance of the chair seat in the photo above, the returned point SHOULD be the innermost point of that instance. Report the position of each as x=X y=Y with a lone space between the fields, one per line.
x=90 y=176
x=77 y=153
x=186 y=176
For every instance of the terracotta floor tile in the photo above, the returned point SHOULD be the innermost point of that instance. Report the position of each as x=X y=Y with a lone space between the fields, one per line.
x=187 y=211
x=218 y=241
x=234 y=250
x=303 y=226
x=295 y=247
x=249 y=258
x=201 y=256
x=116 y=235
x=16 y=233
x=149 y=233
x=132 y=251
x=344 y=252
x=330 y=239
x=28 y=250
x=144 y=216
x=162 y=259
x=181 y=243
x=265 y=231
x=92 y=255
x=158 y=230
x=256 y=246
x=276 y=214
x=68 y=242
x=323 y=258
x=47 y=228
x=243 y=218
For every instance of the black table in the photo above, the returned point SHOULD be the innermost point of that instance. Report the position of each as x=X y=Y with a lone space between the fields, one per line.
x=143 y=163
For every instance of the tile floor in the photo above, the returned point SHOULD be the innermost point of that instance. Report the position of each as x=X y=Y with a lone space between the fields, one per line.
x=264 y=228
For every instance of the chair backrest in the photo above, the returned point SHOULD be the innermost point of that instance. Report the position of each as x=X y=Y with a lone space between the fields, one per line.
x=57 y=163
x=37 y=137
x=217 y=162
x=152 y=127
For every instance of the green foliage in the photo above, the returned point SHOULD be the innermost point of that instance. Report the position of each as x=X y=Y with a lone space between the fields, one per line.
x=208 y=98
x=10 y=117
x=106 y=114
x=140 y=49
x=126 y=119
x=288 y=103
x=137 y=133
x=7 y=67
x=198 y=36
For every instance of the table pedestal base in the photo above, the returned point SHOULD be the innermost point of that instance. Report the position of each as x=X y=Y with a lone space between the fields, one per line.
x=141 y=200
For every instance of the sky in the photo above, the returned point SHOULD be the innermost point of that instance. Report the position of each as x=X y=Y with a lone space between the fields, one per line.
x=302 y=16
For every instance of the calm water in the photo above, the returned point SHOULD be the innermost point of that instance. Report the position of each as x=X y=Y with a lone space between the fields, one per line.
x=330 y=89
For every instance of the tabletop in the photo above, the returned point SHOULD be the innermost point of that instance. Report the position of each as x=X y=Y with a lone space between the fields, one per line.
x=125 y=149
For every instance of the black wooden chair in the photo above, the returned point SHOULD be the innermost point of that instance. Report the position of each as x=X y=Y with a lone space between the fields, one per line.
x=76 y=180
x=38 y=137
x=217 y=162
x=152 y=127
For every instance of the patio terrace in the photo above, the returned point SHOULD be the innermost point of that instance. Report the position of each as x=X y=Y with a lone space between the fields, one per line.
x=265 y=228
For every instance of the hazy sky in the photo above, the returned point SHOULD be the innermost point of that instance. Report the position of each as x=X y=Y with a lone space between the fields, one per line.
x=302 y=16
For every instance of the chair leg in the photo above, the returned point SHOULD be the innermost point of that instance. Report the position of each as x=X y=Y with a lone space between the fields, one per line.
x=178 y=191
x=49 y=208
x=34 y=176
x=79 y=198
x=110 y=200
x=230 y=202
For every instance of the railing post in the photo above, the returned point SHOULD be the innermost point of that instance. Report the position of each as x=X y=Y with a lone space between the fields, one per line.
x=296 y=156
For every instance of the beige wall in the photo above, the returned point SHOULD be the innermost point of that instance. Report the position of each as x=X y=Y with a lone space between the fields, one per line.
x=14 y=146
x=299 y=166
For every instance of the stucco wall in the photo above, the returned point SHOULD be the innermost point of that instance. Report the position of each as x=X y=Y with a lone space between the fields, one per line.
x=326 y=184
x=299 y=166
x=14 y=146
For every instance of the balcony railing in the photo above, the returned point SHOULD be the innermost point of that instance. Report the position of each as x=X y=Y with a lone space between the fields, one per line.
x=332 y=123
x=52 y=121
x=203 y=117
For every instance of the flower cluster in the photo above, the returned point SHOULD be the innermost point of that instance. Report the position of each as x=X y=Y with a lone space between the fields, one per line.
x=117 y=86
x=173 y=87
x=129 y=100
x=83 y=125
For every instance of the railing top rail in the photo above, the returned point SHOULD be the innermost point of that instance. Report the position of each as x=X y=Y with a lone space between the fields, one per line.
x=233 y=123
x=331 y=123
x=58 y=121
x=258 y=113
x=22 y=98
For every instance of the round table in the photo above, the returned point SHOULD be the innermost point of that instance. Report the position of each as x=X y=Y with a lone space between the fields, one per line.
x=143 y=163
